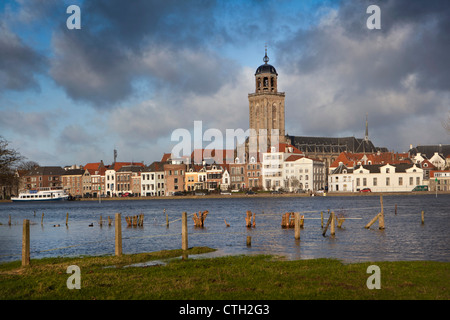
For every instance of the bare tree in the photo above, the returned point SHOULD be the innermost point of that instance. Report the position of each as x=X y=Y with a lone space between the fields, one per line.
x=9 y=158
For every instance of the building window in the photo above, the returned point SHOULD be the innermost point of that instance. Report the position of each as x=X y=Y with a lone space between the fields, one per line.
x=400 y=181
x=388 y=181
x=374 y=181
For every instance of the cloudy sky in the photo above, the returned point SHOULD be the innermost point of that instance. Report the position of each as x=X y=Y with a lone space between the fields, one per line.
x=138 y=70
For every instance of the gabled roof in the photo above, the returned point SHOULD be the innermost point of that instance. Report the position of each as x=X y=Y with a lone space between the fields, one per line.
x=340 y=169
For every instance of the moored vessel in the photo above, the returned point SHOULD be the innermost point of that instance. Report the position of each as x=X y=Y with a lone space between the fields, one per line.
x=42 y=194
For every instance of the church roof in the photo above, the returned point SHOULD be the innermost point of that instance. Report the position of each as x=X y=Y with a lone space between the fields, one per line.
x=333 y=145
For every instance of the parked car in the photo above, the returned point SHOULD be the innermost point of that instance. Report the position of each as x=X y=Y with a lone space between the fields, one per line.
x=250 y=192
x=178 y=193
x=126 y=194
x=365 y=190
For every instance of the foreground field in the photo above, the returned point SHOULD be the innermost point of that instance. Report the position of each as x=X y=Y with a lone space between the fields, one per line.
x=232 y=277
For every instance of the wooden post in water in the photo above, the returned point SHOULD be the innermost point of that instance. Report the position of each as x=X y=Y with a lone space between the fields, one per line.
x=67 y=219
x=42 y=219
x=109 y=221
x=184 y=232
x=167 y=218
x=372 y=221
x=249 y=241
x=333 y=221
x=118 y=226
x=321 y=219
x=9 y=220
x=395 y=208
x=297 y=226
x=381 y=218
x=26 y=243
x=423 y=218
x=326 y=227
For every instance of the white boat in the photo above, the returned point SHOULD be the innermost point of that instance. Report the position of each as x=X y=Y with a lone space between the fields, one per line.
x=43 y=194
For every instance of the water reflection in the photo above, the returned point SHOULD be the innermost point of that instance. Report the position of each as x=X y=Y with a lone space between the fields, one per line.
x=404 y=237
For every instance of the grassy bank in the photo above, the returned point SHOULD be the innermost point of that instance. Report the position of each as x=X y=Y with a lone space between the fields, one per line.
x=232 y=277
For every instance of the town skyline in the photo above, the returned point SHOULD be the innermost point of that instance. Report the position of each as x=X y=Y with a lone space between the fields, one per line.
x=133 y=74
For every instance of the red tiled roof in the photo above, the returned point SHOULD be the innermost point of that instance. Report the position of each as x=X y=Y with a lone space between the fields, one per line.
x=166 y=157
x=350 y=159
x=294 y=157
x=117 y=165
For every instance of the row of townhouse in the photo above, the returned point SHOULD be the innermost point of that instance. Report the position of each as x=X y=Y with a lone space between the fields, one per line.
x=281 y=167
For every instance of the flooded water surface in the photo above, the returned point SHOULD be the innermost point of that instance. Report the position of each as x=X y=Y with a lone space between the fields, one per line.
x=404 y=236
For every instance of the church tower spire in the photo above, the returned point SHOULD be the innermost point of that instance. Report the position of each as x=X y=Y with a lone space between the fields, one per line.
x=366 y=136
x=266 y=107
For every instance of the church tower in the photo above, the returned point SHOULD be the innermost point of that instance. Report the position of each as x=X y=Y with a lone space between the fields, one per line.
x=266 y=107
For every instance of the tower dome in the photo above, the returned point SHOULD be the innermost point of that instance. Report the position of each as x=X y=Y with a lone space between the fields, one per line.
x=266 y=68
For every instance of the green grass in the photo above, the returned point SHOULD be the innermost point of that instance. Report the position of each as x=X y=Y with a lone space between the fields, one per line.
x=233 y=277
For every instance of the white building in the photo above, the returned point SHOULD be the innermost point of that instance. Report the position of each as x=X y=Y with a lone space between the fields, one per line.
x=438 y=161
x=378 y=178
x=341 y=179
x=303 y=173
x=110 y=182
x=226 y=180
x=152 y=180
x=273 y=163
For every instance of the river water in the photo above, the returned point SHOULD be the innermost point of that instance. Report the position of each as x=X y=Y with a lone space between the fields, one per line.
x=404 y=236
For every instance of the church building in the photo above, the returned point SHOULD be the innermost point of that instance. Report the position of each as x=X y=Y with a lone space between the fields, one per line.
x=267 y=123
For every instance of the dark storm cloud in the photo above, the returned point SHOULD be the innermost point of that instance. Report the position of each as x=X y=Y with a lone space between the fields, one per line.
x=19 y=63
x=424 y=52
x=164 y=43
x=339 y=70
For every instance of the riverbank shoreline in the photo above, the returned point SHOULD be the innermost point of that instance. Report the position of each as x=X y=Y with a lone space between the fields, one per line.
x=177 y=276
x=265 y=195
x=269 y=195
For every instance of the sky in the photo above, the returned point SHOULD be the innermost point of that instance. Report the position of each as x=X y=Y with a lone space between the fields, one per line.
x=137 y=71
